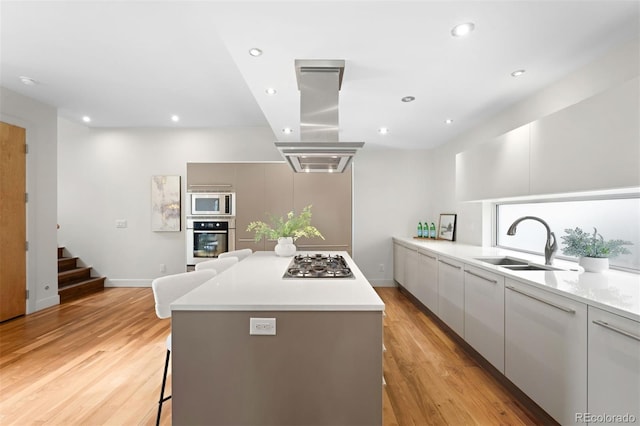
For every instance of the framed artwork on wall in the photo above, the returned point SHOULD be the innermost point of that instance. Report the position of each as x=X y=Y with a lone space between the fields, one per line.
x=165 y=203
x=447 y=227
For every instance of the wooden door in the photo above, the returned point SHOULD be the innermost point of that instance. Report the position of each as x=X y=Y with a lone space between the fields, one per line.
x=13 y=276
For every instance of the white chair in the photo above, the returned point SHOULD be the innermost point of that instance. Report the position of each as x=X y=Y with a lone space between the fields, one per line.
x=166 y=290
x=218 y=264
x=240 y=254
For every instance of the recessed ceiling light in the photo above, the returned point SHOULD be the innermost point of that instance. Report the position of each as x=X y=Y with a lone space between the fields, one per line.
x=383 y=130
x=175 y=118
x=462 y=30
x=408 y=99
x=271 y=91
x=517 y=73
x=86 y=119
x=287 y=130
x=27 y=80
x=255 y=51
x=448 y=121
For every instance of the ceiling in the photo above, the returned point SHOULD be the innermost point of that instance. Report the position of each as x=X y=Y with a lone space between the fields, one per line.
x=135 y=64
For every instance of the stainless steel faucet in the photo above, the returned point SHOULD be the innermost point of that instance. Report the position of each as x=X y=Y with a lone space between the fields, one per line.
x=550 y=246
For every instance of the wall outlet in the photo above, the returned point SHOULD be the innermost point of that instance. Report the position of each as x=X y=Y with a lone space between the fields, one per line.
x=381 y=267
x=121 y=223
x=262 y=326
x=163 y=267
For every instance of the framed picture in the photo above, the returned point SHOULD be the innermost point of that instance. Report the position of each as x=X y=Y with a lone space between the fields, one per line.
x=165 y=203
x=447 y=228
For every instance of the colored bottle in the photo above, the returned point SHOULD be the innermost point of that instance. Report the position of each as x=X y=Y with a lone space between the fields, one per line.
x=433 y=230
x=420 y=229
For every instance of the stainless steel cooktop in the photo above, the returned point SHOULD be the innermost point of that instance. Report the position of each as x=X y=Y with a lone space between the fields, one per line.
x=318 y=266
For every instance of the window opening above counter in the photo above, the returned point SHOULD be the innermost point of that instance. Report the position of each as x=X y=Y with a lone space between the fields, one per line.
x=615 y=218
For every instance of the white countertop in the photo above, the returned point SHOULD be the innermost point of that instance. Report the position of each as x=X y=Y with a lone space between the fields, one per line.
x=256 y=284
x=615 y=291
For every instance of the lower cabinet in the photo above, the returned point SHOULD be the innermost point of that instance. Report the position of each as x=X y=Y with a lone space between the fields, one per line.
x=614 y=367
x=427 y=290
x=581 y=364
x=412 y=271
x=451 y=294
x=399 y=263
x=546 y=349
x=484 y=314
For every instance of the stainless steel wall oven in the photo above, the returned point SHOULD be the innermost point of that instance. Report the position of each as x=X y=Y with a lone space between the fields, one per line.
x=208 y=237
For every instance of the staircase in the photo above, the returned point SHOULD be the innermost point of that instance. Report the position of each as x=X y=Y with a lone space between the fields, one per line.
x=75 y=281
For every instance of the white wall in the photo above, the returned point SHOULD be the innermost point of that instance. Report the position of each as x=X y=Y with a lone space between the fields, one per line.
x=40 y=122
x=391 y=195
x=105 y=175
x=616 y=67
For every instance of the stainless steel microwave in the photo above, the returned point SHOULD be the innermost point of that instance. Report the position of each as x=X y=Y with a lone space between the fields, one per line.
x=213 y=204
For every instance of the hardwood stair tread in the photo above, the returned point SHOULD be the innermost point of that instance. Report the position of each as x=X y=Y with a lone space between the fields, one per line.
x=74 y=273
x=75 y=281
x=82 y=288
x=67 y=263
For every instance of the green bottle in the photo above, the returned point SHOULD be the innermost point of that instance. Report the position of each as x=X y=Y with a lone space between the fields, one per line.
x=433 y=230
x=420 y=232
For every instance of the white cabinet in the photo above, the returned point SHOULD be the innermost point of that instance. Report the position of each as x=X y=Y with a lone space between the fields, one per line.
x=399 y=263
x=484 y=314
x=451 y=294
x=412 y=271
x=495 y=169
x=546 y=349
x=590 y=145
x=427 y=289
x=614 y=365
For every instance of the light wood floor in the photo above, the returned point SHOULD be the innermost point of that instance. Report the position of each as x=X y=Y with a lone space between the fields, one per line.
x=98 y=361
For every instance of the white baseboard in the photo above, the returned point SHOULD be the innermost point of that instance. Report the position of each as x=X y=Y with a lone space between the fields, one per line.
x=128 y=283
x=47 y=302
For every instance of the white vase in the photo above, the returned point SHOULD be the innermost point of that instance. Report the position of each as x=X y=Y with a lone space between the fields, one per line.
x=285 y=247
x=594 y=264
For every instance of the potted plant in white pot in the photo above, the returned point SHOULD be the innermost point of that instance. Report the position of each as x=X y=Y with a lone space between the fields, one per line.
x=592 y=250
x=286 y=231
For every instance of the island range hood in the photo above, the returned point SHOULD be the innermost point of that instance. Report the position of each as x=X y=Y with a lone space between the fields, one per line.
x=319 y=150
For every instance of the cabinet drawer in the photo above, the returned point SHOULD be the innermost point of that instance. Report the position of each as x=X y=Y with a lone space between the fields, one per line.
x=546 y=349
x=484 y=314
x=451 y=294
x=614 y=364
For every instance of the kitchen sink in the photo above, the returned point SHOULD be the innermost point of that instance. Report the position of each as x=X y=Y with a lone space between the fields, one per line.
x=514 y=264
x=531 y=267
x=502 y=261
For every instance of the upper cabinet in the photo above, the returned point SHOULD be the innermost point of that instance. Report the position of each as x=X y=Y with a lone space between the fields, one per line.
x=592 y=145
x=202 y=177
x=272 y=189
x=499 y=168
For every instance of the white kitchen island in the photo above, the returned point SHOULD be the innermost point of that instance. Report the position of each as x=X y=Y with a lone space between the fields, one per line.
x=322 y=367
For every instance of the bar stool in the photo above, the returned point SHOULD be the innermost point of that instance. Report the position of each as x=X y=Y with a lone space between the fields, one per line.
x=240 y=254
x=166 y=290
x=219 y=264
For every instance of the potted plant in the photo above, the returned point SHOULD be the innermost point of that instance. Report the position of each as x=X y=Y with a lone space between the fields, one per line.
x=286 y=230
x=592 y=250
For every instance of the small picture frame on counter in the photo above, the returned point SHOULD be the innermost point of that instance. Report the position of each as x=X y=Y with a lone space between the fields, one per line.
x=447 y=227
